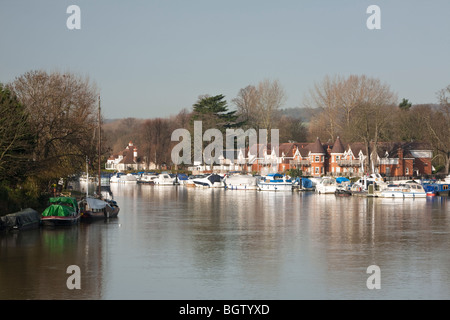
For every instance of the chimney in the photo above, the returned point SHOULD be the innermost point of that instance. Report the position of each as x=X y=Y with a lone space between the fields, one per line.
x=400 y=153
x=400 y=161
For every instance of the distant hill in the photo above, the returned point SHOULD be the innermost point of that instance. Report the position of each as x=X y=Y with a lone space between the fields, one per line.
x=305 y=114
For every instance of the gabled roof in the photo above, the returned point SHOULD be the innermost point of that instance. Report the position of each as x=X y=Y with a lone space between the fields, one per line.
x=356 y=148
x=128 y=158
x=288 y=149
x=392 y=148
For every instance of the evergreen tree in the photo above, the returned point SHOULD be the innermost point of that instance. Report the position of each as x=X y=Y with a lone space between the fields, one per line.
x=405 y=104
x=213 y=112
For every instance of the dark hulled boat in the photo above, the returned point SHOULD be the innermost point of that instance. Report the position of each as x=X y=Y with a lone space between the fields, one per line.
x=92 y=208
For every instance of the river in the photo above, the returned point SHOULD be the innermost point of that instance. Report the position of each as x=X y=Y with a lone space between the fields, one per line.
x=192 y=243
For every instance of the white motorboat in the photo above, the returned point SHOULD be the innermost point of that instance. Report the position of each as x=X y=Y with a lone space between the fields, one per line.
x=240 y=182
x=275 y=182
x=147 y=178
x=128 y=178
x=363 y=183
x=165 y=179
x=406 y=190
x=115 y=177
x=210 y=181
x=326 y=185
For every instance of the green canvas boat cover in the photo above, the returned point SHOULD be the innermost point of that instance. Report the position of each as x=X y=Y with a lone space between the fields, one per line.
x=58 y=210
x=61 y=207
x=64 y=200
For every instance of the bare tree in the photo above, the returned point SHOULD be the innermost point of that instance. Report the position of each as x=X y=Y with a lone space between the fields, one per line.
x=156 y=141
x=438 y=123
x=357 y=108
x=271 y=98
x=324 y=96
x=247 y=104
x=259 y=105
x=62 y=109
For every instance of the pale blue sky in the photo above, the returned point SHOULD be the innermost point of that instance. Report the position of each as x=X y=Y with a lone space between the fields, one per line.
x=153 y=58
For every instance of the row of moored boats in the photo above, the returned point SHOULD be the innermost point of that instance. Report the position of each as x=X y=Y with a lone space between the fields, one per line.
x=370 y=185
x=275 y=182
x=61 y=211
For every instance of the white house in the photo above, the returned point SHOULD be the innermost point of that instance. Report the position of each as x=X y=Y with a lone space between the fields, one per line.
x=128 y=159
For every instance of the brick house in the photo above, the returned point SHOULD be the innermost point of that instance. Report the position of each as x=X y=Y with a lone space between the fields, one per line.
x=389 y=158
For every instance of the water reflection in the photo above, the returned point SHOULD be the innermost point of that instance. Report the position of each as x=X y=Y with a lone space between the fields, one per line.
x=34 y=263
x=192 y=243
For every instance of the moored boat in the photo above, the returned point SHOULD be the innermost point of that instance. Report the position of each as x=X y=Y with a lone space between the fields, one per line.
x=115 y=177
x=210 y=181
x=165 y=179
x=62 y=211
x=92 y=208
x=240 y=182
x=128 y=178
x=306 y=185
x=182 y=179
x=22 y=220
x=407 y=190
x=438 y=187
x=342 y=192
x=147 y=178
x=275 y=182
x=326 y=186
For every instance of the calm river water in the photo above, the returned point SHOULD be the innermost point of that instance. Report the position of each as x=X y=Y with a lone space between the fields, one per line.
x=191 y=243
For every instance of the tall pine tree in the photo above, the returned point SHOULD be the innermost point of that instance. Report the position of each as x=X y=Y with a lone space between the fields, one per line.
x=213 y=112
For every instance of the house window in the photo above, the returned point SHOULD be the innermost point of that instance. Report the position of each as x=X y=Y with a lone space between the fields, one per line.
x=407 y=171
x=317 y=159
x=322 y=170
x=316 y=170
x=337 y=158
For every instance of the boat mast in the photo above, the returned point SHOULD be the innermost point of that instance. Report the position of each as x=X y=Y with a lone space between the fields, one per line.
x=87 y=177
x=99 y=150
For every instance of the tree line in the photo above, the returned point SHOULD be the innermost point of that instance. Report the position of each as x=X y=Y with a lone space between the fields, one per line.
x=356 y=108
